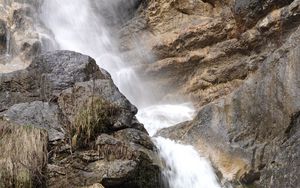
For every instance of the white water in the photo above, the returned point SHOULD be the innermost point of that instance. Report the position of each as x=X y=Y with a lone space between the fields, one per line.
x=157 y=117
x=77 y=27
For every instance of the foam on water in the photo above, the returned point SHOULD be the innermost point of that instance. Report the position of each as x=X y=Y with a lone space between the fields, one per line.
x=157 y=117
x=184 y=166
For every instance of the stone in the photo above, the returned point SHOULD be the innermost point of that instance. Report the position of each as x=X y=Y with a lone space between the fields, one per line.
x=252 y=134
x=72 y=100
x=115 y=162
x=248 y=12
x=3 y=40
x=40 y=115
x=25 y=37
x=213 y=53
x=93 y=134
x=46 y=77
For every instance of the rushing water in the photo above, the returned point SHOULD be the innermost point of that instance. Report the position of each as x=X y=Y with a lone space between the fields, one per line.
x=78 y=27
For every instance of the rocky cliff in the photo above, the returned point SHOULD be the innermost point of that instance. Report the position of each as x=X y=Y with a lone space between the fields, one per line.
x=238 y=61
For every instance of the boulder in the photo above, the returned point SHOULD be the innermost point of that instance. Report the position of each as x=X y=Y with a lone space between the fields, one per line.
x=93 y=93
x=117 y=160
x=46 y=77
x=40 y=115
x=94 y=136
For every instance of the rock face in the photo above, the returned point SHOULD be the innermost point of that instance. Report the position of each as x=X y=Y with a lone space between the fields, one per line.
x=38 y=114
x=256 y=128
x=237 y=61
x=93 y=135
x=212 y=50
x=22 y=36
x=250 y=11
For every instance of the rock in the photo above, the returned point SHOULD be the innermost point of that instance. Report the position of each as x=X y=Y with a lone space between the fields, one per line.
x=114 y=162
x=40 y=115
x=94 y=136
x=46 y=77
x=23 y=156
x=248 y=12
x=25 y=37
x=73 y=99
x=2 y=37
x=251 y=135
x=117 y=12
x=96 y=185
x=139 y=138
x=212 y=51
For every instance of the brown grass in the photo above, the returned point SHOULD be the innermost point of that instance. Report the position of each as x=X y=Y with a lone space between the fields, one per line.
x=94 y=118
x=23 y=156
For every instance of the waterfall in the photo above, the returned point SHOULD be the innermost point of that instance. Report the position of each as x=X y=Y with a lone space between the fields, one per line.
x=79 y=27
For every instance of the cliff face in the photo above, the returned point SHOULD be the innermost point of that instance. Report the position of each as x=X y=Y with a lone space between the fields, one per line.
x=214 y=45
x=238 y=62
x=22 y=35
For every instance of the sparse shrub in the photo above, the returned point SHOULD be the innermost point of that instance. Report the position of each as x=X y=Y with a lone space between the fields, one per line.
x=94 y=118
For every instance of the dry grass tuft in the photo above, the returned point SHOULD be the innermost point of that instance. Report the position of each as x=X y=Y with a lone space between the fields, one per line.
x=23 y=156
x=94 y=118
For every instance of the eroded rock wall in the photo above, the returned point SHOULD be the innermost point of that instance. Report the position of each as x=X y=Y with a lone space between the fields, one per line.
x=238 y=62
x=208 y=46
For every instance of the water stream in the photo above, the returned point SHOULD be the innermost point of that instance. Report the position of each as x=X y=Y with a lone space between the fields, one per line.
x=78 y=26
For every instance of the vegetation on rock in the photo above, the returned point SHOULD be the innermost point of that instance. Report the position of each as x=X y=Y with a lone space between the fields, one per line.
x=94 y=118
x=23 y=155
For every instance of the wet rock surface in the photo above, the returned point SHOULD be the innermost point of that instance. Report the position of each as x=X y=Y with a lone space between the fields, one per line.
x=91 y=131
x=213 y=52
x=237 y=61
x=255 y=130
x=25 y=36
x=46 y=77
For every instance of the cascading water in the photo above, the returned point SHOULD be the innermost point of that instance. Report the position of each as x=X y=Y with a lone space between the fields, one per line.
x=77 y=26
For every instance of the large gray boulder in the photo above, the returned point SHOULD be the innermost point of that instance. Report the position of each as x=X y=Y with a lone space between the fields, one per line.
x=73 y=99
x=40 y=115
x=91 y=127
x=46 y=77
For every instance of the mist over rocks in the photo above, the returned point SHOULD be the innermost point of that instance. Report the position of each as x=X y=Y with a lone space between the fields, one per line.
x=22 y=35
